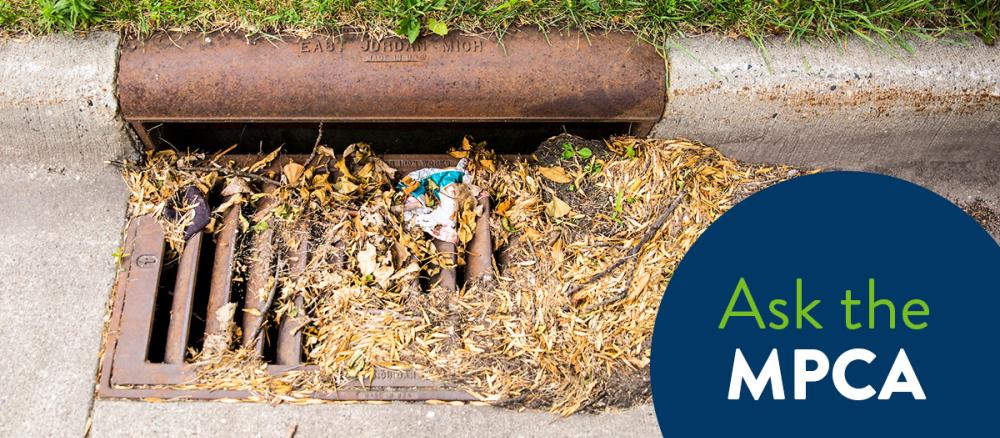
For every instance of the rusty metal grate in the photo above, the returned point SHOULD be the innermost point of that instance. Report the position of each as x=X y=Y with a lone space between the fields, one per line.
x=160 y=309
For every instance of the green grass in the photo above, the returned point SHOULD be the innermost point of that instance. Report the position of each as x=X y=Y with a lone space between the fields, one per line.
x=654 y=20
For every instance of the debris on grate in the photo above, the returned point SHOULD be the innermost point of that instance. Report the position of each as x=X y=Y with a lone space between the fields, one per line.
x=309 y=283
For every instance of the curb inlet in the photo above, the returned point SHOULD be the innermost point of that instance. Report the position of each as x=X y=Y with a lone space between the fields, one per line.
x=408 y=101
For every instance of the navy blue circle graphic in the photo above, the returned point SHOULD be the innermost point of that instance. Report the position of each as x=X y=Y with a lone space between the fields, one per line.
x=757 y=334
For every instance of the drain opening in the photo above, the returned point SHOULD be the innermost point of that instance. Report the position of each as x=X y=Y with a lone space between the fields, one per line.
x=385 y=138
x=199 y=304
x=161 y=313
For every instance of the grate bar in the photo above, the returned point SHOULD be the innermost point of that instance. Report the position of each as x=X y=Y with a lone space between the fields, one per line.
x=179 y=330
x=221 y=287
x=126 y=369
x=479 y=255
x=144 y=269
x=258 y=287
x=447 y=278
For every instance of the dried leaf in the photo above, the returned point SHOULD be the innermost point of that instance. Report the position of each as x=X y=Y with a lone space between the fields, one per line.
x=264 y=162
x=557 y=208
x=234 y=186
x=555 y=174
x=458 y=154
x=504 y=206
x=325 y=151
x=367 y=259
x=488 y=165
x=293 y=171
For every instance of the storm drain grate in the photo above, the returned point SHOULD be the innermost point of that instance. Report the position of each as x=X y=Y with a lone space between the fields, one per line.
x=162 y=310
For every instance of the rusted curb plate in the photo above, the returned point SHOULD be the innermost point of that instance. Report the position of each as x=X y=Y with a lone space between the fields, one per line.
x=531 y=76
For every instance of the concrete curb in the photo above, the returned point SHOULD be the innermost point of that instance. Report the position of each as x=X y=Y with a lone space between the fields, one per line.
x=57 y=104
x=931 y=116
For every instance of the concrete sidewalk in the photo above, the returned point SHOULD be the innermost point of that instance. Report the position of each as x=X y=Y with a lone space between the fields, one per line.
x=60 y=229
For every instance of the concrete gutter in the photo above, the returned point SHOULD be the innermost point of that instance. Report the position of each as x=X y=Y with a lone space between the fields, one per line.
x=125 y=418
x=931 y=116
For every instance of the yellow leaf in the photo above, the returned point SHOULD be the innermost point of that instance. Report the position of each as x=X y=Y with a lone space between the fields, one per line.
x=504 y=206
x=464 y=151
x=488 y=165
x=325 y=151
x=344 y=186
x=555 y=174
x=557 y=208
x=260 y=164
x=342 y=167
x=293 y=171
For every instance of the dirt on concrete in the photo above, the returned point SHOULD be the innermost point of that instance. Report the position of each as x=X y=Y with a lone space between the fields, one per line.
x=984 y=215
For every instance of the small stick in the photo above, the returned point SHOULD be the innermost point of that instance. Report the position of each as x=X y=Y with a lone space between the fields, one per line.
x=270 y=302
x=253 y=176
x=315 y=146
x=224 y=170
x=653 y=229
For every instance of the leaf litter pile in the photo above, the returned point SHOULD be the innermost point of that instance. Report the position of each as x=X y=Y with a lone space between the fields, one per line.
x=587 y=234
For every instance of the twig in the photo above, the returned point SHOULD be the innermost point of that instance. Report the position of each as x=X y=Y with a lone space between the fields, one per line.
x=632 y=253
x=253 y=176
x=315 y=145
x=224 y=170
x=267 y=305
x=122 y=164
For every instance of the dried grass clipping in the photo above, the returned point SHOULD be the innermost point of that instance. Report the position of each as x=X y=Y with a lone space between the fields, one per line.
x=567 y=322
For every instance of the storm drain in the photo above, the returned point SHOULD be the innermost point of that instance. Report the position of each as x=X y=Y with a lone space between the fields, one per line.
x=162 y=309
x=409 y=101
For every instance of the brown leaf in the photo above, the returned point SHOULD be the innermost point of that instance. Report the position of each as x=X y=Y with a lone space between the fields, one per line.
x=264 y=162
x=555 y=174
x=557 y=208
x=293 y=171
x=234 y=186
